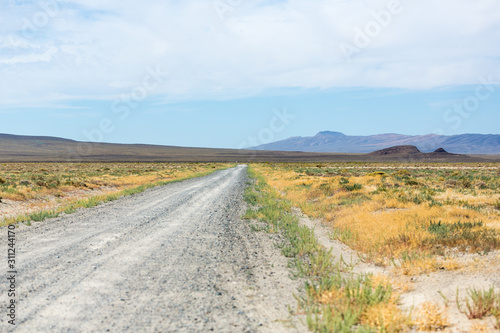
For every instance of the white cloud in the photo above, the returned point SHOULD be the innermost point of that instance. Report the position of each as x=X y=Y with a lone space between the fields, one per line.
x=98 y=49
x=40 y=56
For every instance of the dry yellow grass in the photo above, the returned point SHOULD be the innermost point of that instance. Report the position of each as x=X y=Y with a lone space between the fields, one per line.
x=427 y=265
x=385 y=317
x=399 y=285
x=388 y=214
x=28 y=188
x=329 y=296
x=431 y=317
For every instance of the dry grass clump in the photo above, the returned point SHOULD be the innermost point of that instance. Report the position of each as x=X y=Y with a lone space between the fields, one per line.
x=385 y=318
x=480 y=303
x=431 y=317
x=425 y=265
x=368 y=301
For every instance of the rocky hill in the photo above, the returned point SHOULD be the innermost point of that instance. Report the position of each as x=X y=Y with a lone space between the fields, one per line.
x=410 y=152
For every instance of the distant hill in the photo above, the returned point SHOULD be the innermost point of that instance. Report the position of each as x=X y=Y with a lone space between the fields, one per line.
x=17 y=148
x=397 y=150
x=409 y=152
x=340 y=143
x=20 y=148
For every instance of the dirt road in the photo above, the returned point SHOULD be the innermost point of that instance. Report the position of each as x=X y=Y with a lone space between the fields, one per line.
x=174 y=258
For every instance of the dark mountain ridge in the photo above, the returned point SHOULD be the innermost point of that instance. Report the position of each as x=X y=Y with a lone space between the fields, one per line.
x=413 y=153
x=327 y=141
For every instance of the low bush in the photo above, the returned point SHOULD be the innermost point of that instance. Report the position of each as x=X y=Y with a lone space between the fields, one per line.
x=480 y=303
x=40 y=216
x=472 y=236
x=343 y=180
x=353 y=187
x=411 y=182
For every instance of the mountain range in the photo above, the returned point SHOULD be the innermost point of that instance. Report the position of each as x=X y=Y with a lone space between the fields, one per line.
x=19 y=148
x=328 y=141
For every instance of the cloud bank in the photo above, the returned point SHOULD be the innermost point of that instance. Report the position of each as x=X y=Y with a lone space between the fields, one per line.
x=60 y=50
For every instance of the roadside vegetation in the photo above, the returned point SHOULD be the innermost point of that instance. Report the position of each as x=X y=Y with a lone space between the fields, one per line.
x=335 y=300
x=414 y=218
x=36 y=191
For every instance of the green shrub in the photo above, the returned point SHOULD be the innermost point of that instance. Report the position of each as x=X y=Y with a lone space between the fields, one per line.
x=251 y=197
x=70 y=210
x=480 y=303
x=443 y=229
x=343 y=181
x=353 y=187
x=40 y=216
x=469 y=235
x=327 y=189
x=411 y=182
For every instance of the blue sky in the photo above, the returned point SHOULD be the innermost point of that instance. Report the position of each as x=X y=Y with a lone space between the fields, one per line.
x=220 y=73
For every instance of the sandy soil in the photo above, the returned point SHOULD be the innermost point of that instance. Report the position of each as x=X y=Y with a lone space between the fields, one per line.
x=176 y=258
x=477 y=271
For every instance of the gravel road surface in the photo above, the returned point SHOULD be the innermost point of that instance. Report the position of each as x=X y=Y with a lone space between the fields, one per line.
x=173 y=258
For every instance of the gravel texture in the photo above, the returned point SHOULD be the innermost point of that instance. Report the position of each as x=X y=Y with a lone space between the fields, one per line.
x=173 y=258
